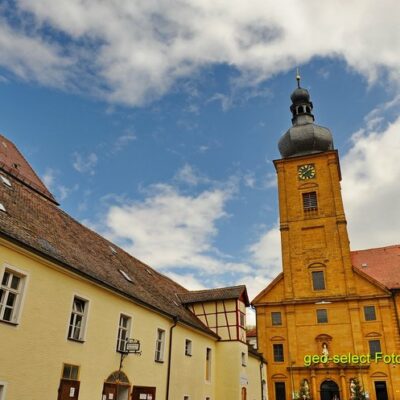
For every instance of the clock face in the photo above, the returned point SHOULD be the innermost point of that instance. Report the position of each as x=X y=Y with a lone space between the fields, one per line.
x=306 y=171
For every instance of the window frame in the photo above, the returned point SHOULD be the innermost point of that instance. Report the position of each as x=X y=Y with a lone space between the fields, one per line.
x=323 y=311
x=376 y=351
x=365 y=313
x=188 y=347
x=313 y=281
x=244 y=359
x=84 y=319
x=280 y=318
x=19 y=293
x=160 y=346
x=309 y=201
x=78 y=368
x=121 y=329
x=274 y=353
x=208 y=364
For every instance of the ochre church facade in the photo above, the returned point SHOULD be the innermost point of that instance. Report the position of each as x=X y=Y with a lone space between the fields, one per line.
x=329 y=305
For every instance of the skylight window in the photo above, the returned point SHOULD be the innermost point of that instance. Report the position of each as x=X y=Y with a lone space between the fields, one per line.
x=149 y=272
x=2 y=208
x=113 y=250
x=5 y=180
x=125 y=275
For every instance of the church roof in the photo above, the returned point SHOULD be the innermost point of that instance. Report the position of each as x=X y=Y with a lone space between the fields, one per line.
x=39 y=225
x=225 y=293
x=382 y=264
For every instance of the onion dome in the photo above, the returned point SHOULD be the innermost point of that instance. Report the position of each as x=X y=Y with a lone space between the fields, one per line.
x=304 y=137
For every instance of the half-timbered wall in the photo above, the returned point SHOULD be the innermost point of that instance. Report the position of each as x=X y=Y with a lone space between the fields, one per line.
x=227 y=318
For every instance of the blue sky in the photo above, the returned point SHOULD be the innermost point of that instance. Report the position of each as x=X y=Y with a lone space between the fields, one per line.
x=156 y=124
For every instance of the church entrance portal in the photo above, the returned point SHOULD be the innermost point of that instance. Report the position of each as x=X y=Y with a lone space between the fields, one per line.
x=329 y=389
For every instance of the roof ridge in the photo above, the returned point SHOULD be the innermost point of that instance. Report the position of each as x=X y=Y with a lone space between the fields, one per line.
x=218 y=288
x=376 y=248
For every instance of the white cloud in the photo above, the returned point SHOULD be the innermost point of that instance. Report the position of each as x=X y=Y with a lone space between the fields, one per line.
x=85 y=164
x=371 y=190
x=32 y=58
x=188 y=281
x=49 y=178
x=187 y=174
x=265 y=252
x=133 y=52
x=123 y=140
x=172 y=230
x=60 y=191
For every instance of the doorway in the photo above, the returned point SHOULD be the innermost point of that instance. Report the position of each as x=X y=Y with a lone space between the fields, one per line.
x=116 y=387
x=280 y=391
x=380 y=390
x=329 y=389
x=68 y=390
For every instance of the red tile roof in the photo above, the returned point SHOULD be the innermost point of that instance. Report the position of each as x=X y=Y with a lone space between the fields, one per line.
x=382 y=264
x=251 y=332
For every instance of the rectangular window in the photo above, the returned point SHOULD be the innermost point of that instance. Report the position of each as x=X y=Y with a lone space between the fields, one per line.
x=10 y=295
x=310 y=202
x=186 y=397
x=369 y=313
x=160 y=342
x=77 y=321
x=322 y=316
x=123 y=332
x=188 y=347
x=242 y=319
x=208 y=365
x=244 y=363
x=374 y=347
x=276 y=318
x=70 y=372
x=318 y=280
x=278 y=352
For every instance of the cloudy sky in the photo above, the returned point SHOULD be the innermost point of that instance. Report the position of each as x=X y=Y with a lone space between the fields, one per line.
x=156 y=122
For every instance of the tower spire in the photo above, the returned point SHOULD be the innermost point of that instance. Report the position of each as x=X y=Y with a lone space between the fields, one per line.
x=298 y=77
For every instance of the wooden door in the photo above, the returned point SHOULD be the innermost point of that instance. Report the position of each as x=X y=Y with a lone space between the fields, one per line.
x=109 y=391
x=68 y=390
x=143 y=393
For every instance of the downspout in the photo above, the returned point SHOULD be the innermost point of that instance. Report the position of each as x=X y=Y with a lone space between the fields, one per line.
x=176 y=319
x=261 y=380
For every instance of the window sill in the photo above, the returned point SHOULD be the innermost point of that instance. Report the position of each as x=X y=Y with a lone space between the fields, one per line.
x=8 y=322
x=188 y=355
x=159 y=361
x=76 y=340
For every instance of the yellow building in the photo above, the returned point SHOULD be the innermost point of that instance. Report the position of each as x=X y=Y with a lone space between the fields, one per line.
x=329 y=306
x=82 y=319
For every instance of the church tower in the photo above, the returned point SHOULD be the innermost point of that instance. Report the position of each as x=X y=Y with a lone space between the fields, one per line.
x=322 y=304
x=315 y=244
